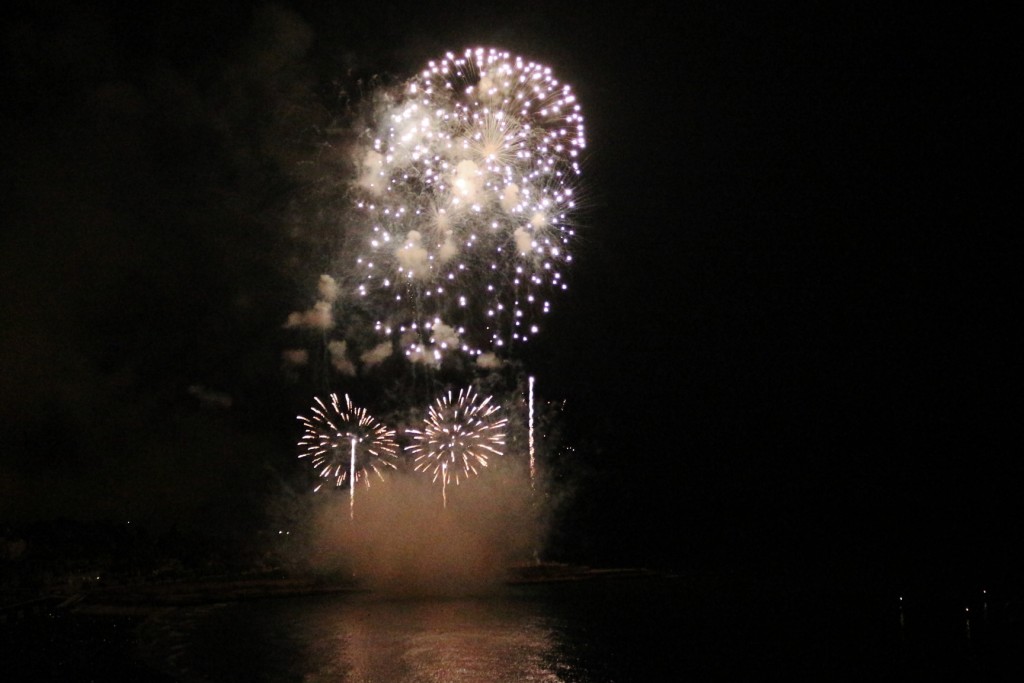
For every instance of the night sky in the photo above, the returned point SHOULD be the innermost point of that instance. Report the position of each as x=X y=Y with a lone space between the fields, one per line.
x=789 y=327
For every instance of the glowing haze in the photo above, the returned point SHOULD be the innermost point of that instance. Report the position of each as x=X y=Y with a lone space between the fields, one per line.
x=403 y=541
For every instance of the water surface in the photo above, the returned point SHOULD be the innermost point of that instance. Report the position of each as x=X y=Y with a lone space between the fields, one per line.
x=586 y=632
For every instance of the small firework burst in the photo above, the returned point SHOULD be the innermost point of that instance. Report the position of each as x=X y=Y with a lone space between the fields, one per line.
x=344 y=442
x=458 y=438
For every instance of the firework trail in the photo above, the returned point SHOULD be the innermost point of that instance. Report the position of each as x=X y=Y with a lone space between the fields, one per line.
x=533 y=462
x=344 y=443
x=458 y=437
x=467 y=185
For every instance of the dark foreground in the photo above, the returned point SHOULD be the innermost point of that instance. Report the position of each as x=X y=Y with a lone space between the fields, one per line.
x=552 y=625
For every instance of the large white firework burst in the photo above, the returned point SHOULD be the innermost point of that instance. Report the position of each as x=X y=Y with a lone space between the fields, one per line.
x=467 y=183
x=458 y=437
x=344 y=441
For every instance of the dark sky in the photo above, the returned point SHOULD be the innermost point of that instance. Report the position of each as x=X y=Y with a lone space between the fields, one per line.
x=790 y=320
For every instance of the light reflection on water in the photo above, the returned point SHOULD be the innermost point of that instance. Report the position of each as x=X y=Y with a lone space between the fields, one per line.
x=449 y=640
x=362 y=637
x=585 y=632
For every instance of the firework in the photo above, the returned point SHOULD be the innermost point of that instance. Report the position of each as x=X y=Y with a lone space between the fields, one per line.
x=533 y=461
x=467 y=183
x=344 y=443
x=458 y=437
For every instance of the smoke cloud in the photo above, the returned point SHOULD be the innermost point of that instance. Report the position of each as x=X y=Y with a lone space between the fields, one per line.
x=328 y=288
x=319 y=317
x=377 y=355
x=488 y=361
x=412 y=255
x=295 y=357
x=339 y=358
x=445 y=335
x=399 y=538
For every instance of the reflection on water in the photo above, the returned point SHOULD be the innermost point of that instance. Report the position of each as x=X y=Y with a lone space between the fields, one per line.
x=450 y=640
x=525 y=636
x=583 y=632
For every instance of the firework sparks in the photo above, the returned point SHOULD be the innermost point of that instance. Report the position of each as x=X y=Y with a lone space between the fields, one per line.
x=344 y=443
x=533 y=462
x=458 y=438
x=467 y=182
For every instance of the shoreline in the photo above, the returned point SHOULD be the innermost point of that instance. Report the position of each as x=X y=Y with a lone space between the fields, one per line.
x=141 y=599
